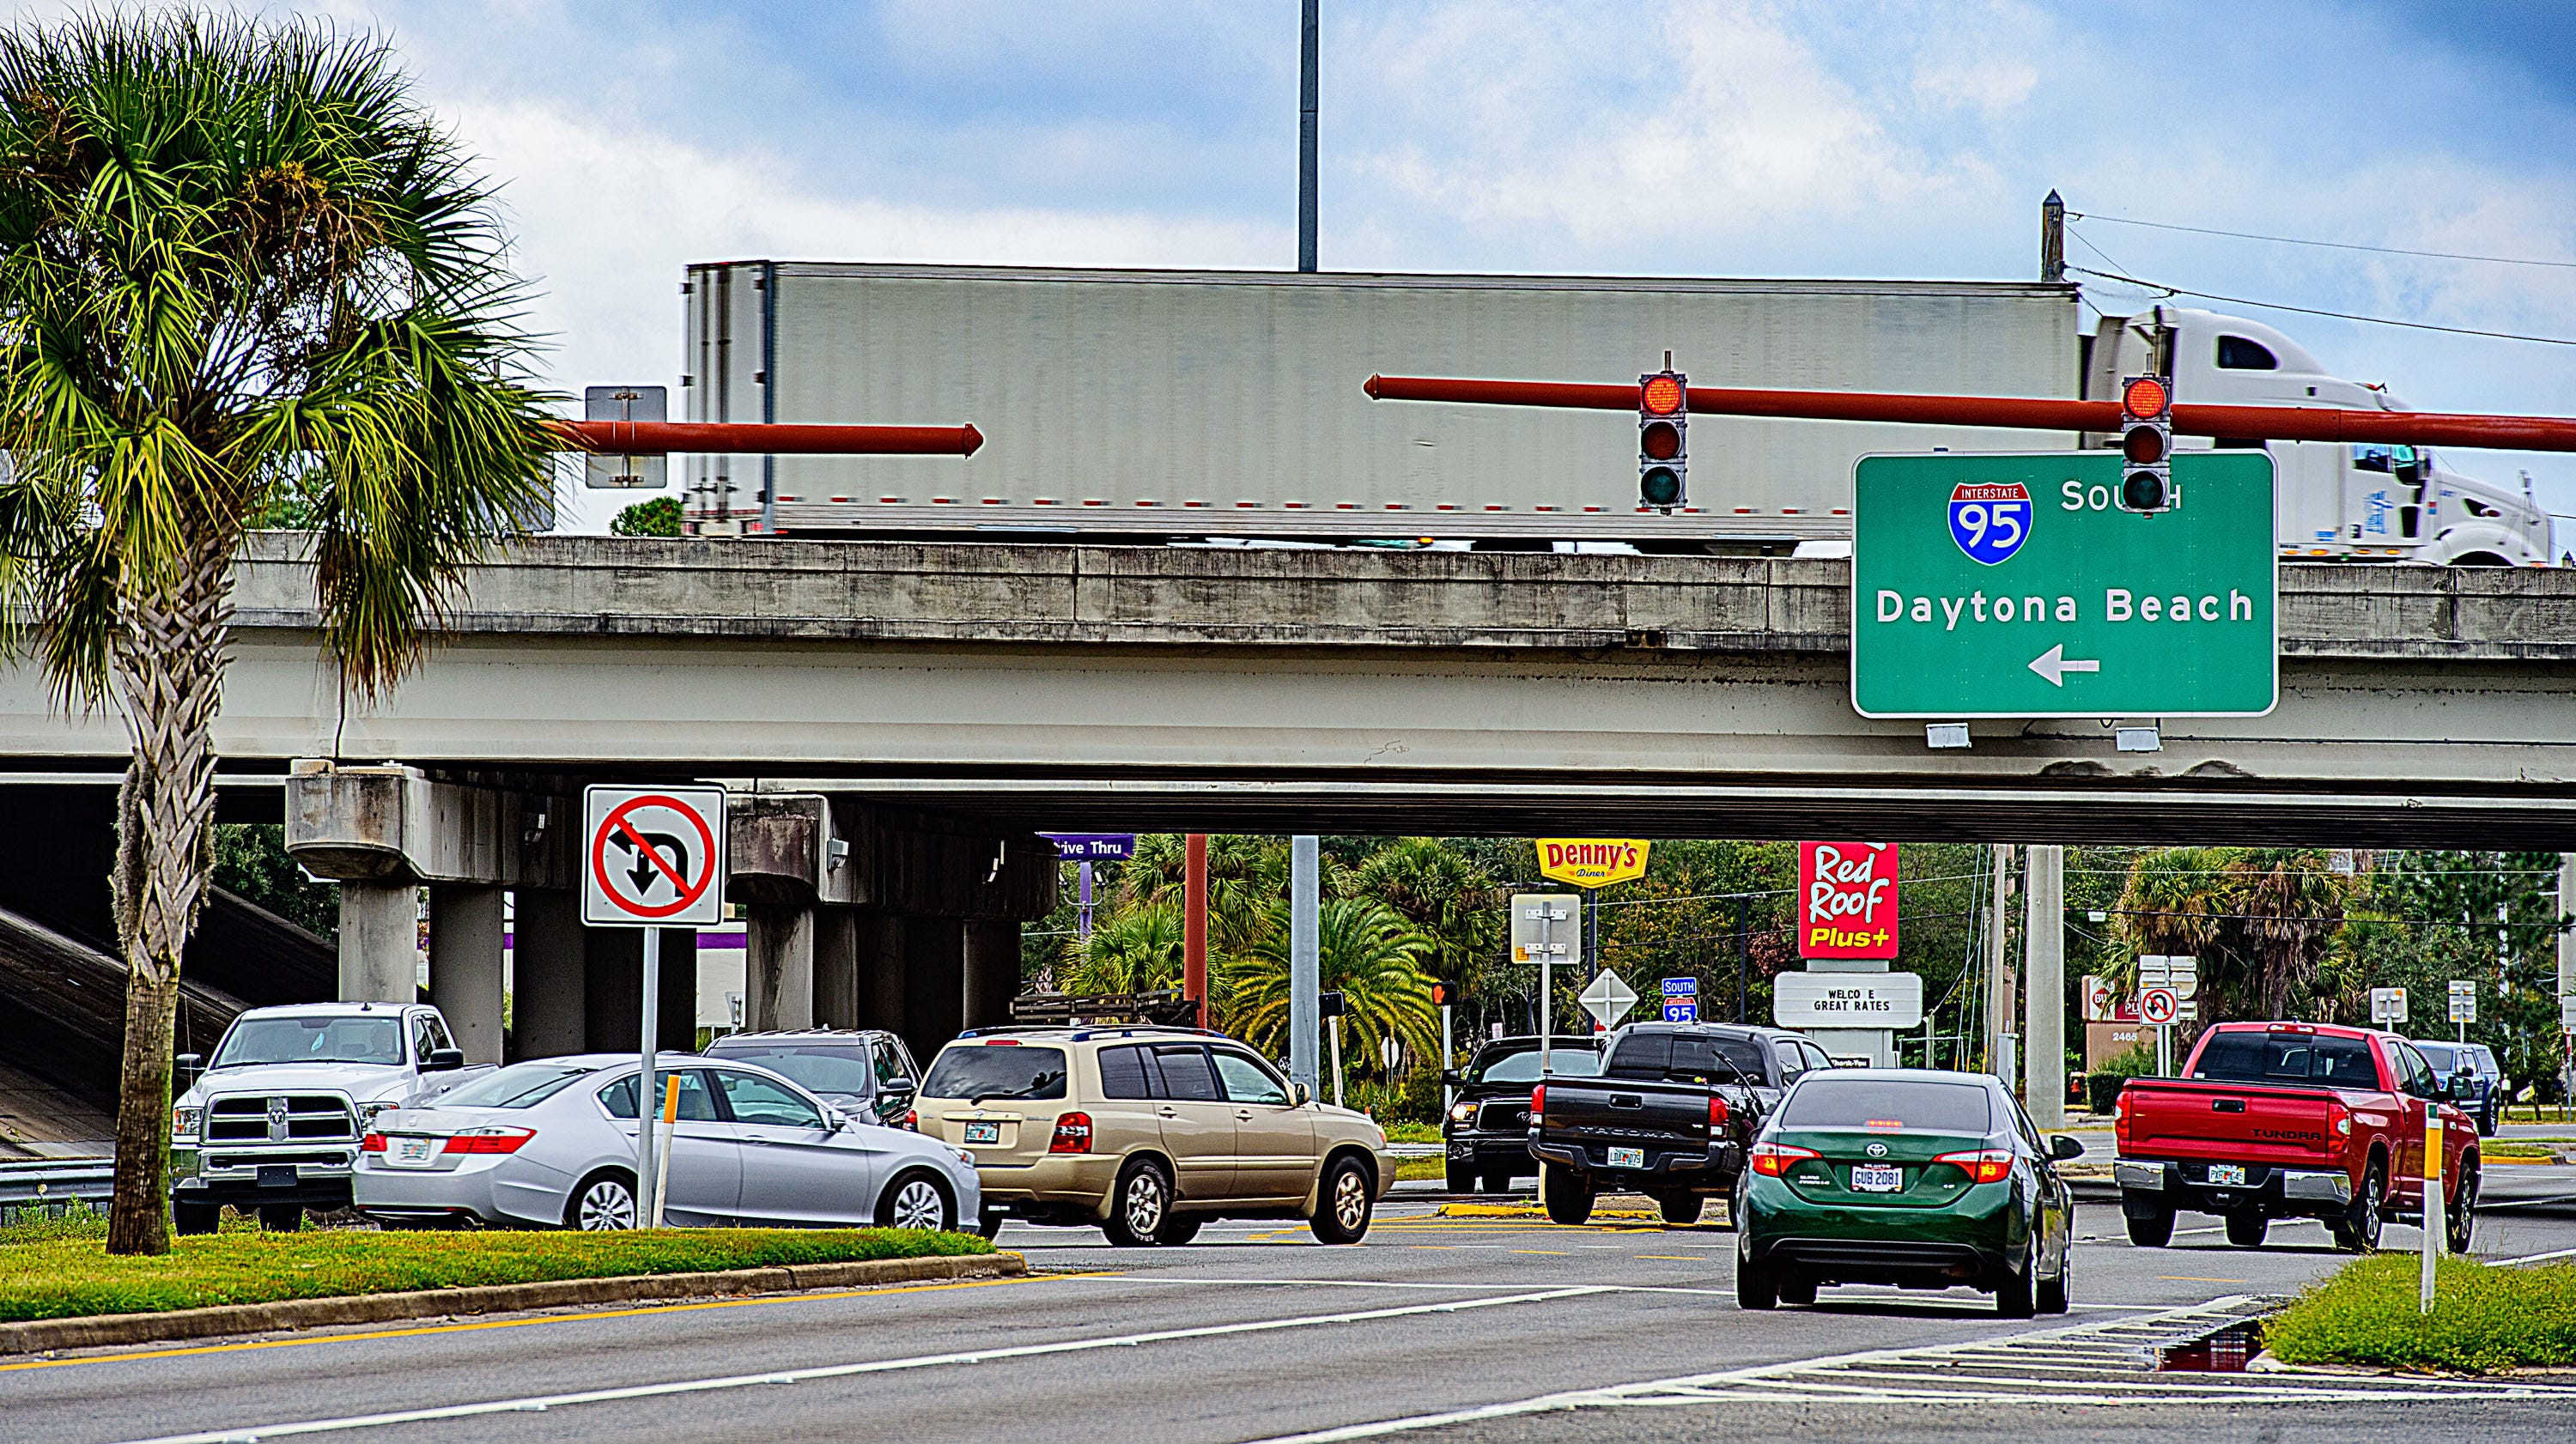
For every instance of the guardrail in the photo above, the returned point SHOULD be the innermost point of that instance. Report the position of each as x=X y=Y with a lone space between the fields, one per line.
x=48 y=1187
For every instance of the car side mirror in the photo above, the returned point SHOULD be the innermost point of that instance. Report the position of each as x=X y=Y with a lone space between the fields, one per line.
x=1299 y=1095
x=188 y=1066
x=442 y=1060
x=1450 y=1077
x=2061 y=1147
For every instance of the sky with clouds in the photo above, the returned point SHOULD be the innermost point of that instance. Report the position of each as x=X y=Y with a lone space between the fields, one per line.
x=1684 y=137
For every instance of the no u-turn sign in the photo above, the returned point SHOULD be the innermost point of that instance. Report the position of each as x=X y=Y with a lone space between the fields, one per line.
x=653 y=856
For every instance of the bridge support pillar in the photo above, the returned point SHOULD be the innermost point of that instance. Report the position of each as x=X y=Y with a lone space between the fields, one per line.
x=379 y=942
x=992 y=972
x=836 y=968
x=465 y=965
x=881 y=972
x=548 y=978
x=778 y=963
x=934 y=955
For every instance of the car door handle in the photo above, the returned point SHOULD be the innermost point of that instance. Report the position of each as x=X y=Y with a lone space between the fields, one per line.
x=1170 y=1112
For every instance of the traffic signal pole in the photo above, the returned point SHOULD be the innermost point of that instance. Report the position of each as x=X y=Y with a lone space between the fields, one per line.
x=2014 y=413
x=643 y=438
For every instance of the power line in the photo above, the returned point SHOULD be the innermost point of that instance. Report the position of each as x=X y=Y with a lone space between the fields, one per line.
x=2315 y=311
x=2328 y=245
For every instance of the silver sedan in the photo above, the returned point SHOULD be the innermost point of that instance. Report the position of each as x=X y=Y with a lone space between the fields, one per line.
x=551 y=1143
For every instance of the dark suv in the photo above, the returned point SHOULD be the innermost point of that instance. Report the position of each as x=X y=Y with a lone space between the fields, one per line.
x=1487 y=1129
x=865 y=1072
x=2483 y=1098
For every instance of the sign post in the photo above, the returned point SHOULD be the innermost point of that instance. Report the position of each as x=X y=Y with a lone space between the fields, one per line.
x=1608 y=999
x=1845 y=915
x=1681 y=1000
x=1536 y=916
x=2388 y=1007
x=2013 y=586
x=653 y=857
x=2464 y=1004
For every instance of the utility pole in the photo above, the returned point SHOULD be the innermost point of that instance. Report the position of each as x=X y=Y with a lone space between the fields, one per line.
x=1304 y=973
x=1194 y=904
x=1999 y=982
x=1307 y=88
x=1743 y=950
x=2044 y=986
x=2052 y=239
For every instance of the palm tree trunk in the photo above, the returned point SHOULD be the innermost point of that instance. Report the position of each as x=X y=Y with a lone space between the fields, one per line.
x=169 y=666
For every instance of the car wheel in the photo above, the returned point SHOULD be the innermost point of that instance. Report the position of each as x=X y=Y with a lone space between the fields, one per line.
x=605 y=1202
x=1498 y=1180
x=917 y=1201
x=2246 y=1228
x=281 y=1217
x=1681 y=1209
x=2358 y=1230
x=2052 y=1292
x=193 y=1218
x=1567 y=1194
x=2014 y=1296
x=1139 y=1204
x=2460 y=1218
x=2155 y=1230
x=1754 y=1287
x=1179 y=1228
x=990 y=1225
x=1796 y=1287
x=1462 y=1178
x=1342 y=1208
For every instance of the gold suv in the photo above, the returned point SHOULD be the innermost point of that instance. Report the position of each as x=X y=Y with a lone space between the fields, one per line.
x=1146 y=1133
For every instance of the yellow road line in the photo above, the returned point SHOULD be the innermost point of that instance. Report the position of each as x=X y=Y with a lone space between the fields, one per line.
x=540 y=1319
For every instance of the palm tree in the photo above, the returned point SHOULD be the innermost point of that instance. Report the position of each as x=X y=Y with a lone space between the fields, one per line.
x=1366 y=951
x=1133 y=950
x=1247 y=876
x=1446 y=897
x=243 y=274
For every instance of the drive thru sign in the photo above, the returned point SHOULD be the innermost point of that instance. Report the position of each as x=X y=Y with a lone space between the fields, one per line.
x=653 y=857
x=2012 y=586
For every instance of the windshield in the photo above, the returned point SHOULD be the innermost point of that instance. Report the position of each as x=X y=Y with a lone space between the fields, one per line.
x=1575 y=1061
x=521 y=1085
x=254 y=1041
x=2442 y=1058
x=1887 y=1105
x=996 y=1070
x=842 y=1069
x=2287 y=1058
x=1659 y=1056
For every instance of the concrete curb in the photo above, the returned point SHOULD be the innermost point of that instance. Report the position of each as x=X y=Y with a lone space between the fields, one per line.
x=104 y=1330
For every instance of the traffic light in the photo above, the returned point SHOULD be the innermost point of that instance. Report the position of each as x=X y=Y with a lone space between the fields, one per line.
x=1445 y=993
x=1329 y=1004
x=1663 y=453
x=2146 y=446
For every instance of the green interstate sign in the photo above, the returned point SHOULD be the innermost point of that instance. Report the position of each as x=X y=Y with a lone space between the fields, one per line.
x=2012 y=586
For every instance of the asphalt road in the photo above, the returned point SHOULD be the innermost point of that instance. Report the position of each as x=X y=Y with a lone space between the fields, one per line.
x=1440 y=1329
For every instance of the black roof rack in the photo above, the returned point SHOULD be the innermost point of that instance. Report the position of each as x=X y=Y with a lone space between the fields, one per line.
x=1164 y=1009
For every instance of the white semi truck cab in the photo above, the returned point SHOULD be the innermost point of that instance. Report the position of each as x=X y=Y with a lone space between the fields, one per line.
x=274 y=1120
x=2358 y=502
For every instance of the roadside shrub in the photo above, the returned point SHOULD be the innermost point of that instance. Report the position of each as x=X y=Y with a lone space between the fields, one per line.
x=2484 y=1318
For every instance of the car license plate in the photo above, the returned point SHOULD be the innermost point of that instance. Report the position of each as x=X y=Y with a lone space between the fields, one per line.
x=2225 y=1175
x=1877 y=1177
x=412 y=1152
x=1627 y=1158
x=983 y=1132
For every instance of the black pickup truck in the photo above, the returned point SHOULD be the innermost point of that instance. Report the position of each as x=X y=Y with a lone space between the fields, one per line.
x=1670 y=1116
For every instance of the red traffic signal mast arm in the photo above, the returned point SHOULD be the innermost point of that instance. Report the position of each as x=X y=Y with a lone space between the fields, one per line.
x=2240 y=423
x=785 y=439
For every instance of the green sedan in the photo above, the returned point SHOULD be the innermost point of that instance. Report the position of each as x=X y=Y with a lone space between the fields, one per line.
x=1905 y=1176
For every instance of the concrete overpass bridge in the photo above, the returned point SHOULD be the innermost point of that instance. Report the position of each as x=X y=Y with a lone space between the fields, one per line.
x=933 y=704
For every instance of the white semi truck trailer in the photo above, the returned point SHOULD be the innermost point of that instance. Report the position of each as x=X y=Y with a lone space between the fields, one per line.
x=1194 y=405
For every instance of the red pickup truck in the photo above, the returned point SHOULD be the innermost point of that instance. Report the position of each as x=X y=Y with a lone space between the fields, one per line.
x=2292 y=1120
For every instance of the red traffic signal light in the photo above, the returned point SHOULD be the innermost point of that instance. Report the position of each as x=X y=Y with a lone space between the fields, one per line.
x=1445 y=993
x=2146 y=445
x=1663 y=419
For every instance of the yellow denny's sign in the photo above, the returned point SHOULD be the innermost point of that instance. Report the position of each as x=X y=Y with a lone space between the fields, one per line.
x=1592 y=861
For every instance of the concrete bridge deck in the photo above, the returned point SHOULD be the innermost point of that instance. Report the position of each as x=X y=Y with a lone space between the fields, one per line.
x=1042 y=685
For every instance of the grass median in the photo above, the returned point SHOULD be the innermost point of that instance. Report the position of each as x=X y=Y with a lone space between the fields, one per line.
x=2485 y=1319
x=60 y=1268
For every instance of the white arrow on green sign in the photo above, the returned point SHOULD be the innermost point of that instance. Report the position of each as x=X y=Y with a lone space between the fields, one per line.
x=2010 y=586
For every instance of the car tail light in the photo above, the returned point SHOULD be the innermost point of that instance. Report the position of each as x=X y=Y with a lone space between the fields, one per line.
x=1717 y=1114
x=912 y=1119
x=2339 y=1118
x=1072 y=1134
x=372 y=1143
x=1774 y=1159
x=1538 y=1106
x=1985 y=1165
x=2120 y=1120
x=489 y=1140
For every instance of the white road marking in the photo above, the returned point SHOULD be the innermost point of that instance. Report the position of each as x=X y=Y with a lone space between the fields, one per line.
x=251 y=1433
x=2536 y=1257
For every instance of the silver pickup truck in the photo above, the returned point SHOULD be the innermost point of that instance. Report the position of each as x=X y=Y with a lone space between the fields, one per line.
x=274 y=1120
